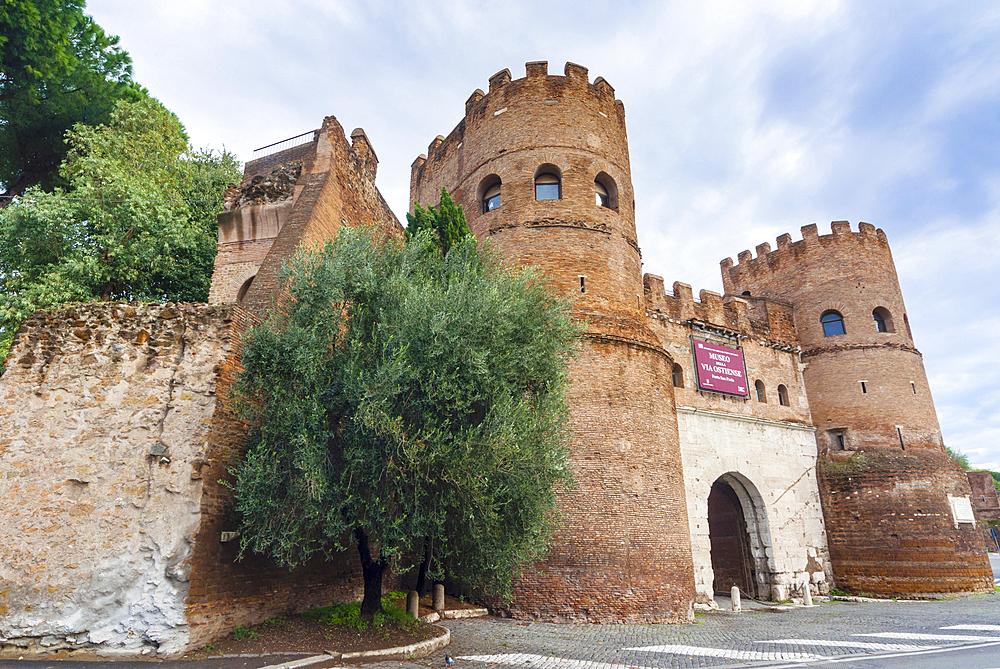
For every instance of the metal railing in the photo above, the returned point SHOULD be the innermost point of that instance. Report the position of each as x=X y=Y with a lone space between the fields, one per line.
x=298 y=140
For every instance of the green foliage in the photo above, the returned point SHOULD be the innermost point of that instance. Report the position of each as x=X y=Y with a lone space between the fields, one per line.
x=996 y=479
x=406 y=394
x=959 y=457
x=447 y=221
x=244 y=632
x=58 y=69
x=349 y=614
x=124 y=229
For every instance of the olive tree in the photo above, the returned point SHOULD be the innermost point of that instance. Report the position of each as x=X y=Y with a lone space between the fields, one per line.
x=398 y=394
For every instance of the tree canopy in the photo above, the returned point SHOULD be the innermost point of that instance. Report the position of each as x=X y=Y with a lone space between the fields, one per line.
x=57 y=69
x=447 y=221
x=401 y=394
x=137 y=221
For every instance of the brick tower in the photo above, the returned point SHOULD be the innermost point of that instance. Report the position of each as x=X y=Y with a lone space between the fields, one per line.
x=894 y=500
x=540 y=166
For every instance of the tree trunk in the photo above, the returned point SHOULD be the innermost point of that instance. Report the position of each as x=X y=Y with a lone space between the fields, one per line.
x=373 y=570
x=425 y=566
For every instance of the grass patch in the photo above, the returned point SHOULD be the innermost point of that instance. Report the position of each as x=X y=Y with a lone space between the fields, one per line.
x=244 y=632
x=348 y=614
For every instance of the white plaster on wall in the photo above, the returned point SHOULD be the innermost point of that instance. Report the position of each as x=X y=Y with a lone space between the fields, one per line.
x=775 y=461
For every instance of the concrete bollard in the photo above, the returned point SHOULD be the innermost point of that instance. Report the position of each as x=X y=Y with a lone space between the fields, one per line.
x=734 y=593
x=413 y=603
x=807 y=597
x=438 y=597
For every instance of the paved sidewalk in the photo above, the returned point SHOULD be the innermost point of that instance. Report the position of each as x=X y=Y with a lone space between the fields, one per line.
x=756 y=638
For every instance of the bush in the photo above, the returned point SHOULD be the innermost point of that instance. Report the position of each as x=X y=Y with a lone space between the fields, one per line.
x=348 y=614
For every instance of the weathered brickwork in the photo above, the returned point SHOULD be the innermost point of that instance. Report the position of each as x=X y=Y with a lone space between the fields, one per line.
x=867 y=390
x=336 y=187
x=763 y=450
x=245 y=238
x=833 y=473
x=224 y=591
x=891 y=529
x=624 y=553
x=985 y=499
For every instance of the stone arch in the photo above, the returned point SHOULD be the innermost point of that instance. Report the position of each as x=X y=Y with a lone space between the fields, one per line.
x=241 y=274
x=755 y=538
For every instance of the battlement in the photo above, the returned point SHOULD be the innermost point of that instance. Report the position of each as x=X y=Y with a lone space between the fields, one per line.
x=841 y=240
x=536 y=86
x=840 y=231
x=750 y=316
x=306 y=150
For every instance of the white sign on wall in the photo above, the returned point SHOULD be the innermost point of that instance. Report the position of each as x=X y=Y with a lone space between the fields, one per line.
x=961 y=510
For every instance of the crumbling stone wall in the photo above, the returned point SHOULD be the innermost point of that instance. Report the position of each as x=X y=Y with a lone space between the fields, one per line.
x=297 y=197
x=117 y=428
x=106 y=412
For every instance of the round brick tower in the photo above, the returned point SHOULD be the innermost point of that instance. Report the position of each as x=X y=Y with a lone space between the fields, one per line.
x=540 y=166
x=892 y=496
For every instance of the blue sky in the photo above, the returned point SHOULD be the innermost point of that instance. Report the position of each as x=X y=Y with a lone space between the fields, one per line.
x=746 y=120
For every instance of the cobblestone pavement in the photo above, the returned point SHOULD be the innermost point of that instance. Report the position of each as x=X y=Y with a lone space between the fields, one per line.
x=794 y=636
x=756 y=638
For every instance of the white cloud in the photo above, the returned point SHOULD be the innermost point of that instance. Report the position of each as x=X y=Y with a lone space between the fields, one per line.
x=746 y=120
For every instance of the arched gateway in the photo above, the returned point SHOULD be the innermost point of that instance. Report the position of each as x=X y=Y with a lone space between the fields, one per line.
x=739 y=536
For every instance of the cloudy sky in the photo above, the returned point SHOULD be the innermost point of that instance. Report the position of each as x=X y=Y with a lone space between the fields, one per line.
x=746 y=120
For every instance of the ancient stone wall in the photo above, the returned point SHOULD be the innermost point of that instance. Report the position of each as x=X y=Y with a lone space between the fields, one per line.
x=622 y=551
x=224 y=590
x=106 y=412
x=985 y=499
x=117 y=429
x=245 y=238
x=892 y=531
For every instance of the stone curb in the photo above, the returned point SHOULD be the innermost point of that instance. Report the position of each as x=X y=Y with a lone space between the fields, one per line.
x=454 y=614
x=853 y=598
x=422 y=647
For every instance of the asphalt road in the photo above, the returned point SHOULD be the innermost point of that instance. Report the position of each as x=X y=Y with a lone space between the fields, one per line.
x=961 y=633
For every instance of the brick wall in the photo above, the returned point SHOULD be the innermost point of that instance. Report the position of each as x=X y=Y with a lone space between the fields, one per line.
x=226 y=592
x=869 y=397
x=624 y=551
x=891 y=529
x=336 y=187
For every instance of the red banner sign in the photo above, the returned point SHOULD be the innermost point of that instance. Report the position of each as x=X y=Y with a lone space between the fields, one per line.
x=720 y=369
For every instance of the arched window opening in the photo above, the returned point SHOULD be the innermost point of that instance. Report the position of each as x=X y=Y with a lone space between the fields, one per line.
x=244 y=288
x=601 y=197
x=491 y=198
x=883 y=320
x=783 y=395
x=678 y=376
x=758 y=387
x=605 y=192
x=833 y=323
x=746 y=293
x=548 y=187
x=488 y=193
